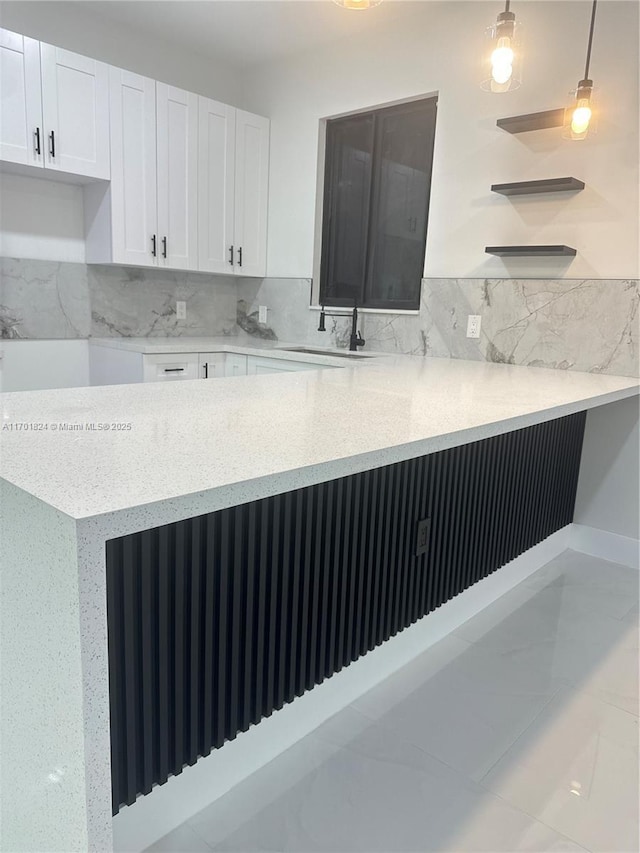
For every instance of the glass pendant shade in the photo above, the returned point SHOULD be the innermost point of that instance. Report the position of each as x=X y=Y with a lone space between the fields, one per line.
x=357 y=5
x=581 y=116
x=502 y=55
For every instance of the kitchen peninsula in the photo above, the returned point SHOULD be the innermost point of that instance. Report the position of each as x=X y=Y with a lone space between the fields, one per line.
x=208 y=551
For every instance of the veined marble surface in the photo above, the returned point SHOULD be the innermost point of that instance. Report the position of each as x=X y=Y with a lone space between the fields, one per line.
x=49 y=300
x=288 y=316
x=591 y=326
x=43 y=299
x=130 y=302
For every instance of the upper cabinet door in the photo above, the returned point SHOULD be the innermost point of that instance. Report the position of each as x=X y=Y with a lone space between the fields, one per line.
x=177 y=136
x=251 y=193
x=216 y=174
x=21 y=133
x=134 y=215
x=75 y=97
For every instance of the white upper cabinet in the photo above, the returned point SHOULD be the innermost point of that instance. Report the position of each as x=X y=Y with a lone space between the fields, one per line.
x=75 y=101
x=177 y=146
x=216 y=178
x=233 y=165
x=134 y=212
x=54 y=108
x=172 y=179
x=21 y=131
x=251 y=194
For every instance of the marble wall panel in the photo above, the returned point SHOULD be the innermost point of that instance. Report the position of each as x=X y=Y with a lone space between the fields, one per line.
x=589 y=325
x=131 y=302
x=42 y=299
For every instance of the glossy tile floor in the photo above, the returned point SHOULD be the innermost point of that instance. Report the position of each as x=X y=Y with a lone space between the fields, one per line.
x=517 y=732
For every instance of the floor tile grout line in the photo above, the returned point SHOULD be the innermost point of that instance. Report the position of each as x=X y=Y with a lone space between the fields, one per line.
x=553 y=696
x=596 y=698
x=540 y=821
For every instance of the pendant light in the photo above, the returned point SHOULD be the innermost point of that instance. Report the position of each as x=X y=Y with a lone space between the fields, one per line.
x=503 y=53
x=357 y=5
x=578 y=118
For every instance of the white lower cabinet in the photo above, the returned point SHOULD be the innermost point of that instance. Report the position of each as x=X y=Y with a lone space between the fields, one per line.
x=212 y=365
x=115 y=366
x=257 y=365
x=235 y=364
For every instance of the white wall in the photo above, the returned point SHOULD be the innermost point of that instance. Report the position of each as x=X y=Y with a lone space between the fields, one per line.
x=39 y=219
x=608 y=490
x=424 y=47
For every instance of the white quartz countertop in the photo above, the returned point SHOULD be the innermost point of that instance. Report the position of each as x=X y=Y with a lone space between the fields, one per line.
x=149 y=453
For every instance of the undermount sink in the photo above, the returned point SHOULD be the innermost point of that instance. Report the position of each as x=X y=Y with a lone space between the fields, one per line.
x=310 y=351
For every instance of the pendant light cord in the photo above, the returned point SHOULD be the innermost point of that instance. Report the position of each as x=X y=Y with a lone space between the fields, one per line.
x=593 y=21
x=506 y=5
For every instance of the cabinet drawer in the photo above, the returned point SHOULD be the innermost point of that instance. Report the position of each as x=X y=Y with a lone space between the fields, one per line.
x=258 y=365
x=170 y=366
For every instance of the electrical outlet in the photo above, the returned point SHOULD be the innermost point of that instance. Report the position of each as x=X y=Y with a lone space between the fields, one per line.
x=262 y=314
x=474 y=323
x=181 y=310
x=423 y=533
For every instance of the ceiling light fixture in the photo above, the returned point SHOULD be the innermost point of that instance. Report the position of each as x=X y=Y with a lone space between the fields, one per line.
x=503 y=54
x=357 y=5
x=578 y=117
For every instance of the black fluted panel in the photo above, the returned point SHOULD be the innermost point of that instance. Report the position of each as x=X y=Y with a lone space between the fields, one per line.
x=217 y=621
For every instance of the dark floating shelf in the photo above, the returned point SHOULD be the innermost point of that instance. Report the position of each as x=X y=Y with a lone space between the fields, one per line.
x=530 y=251
x=532 y=121
x=549 y=185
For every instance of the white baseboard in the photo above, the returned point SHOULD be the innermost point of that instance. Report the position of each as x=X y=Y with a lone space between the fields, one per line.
x=607 y=546
x=169 y=805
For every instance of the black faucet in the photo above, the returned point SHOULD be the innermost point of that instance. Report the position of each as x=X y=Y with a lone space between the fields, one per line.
x=355 y=339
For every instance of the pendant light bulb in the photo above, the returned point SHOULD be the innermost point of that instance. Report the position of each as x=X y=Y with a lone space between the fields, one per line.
x=502 y=62
x=580 y=114
x=578 y=118
x=357 y=5
x=581 y=117
x=503 y=57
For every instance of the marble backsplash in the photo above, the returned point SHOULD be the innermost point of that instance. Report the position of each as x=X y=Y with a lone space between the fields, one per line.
x=591 y=325
x=46 y=299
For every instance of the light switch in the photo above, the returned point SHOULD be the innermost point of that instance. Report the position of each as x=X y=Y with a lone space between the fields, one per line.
x=262 y=314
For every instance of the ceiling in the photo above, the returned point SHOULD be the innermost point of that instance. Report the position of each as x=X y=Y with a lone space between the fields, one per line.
x=247 y=32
